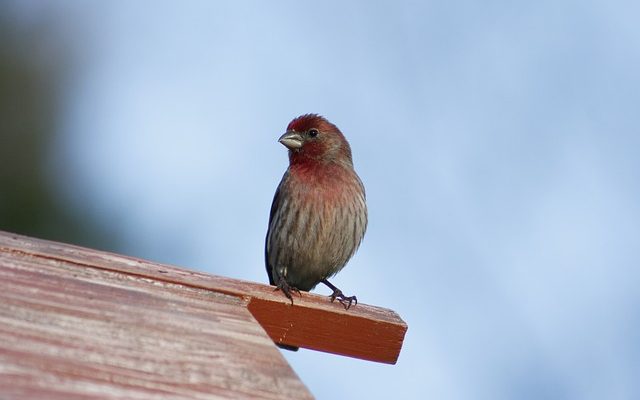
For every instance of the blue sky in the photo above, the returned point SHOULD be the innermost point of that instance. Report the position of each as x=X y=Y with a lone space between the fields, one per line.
x=497 y=141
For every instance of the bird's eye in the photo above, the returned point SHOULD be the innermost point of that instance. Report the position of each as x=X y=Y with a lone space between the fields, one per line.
x=313 y=132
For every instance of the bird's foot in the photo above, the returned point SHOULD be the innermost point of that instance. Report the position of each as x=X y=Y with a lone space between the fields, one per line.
x=287 y=289
x=346 y=301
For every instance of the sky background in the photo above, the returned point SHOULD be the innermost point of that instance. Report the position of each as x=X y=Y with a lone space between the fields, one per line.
x=498 y=143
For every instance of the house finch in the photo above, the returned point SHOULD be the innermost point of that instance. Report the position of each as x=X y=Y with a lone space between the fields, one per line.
x=318 y=216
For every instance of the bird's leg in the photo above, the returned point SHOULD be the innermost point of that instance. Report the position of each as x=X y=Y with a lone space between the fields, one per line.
x=287 y=289
x=337 y=294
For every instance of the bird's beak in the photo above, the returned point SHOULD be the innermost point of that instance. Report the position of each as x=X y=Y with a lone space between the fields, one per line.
x=291 y=139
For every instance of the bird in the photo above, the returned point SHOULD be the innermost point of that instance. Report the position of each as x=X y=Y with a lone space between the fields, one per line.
x=318 y=216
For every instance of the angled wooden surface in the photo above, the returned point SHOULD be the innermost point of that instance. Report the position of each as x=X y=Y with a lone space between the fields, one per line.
x=71 y=330
x=363 y=331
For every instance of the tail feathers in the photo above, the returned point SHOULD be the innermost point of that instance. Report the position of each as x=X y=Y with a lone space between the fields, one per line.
x=287 y=347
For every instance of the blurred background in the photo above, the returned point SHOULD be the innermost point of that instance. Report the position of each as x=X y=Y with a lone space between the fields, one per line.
x=498 y=143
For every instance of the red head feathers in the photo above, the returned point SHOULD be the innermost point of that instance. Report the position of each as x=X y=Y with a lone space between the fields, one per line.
x=311 y=137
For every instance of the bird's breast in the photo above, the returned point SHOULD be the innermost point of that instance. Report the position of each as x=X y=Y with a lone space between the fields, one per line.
x=326 y=221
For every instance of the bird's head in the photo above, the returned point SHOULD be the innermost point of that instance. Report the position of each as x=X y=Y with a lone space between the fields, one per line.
x=311 y=138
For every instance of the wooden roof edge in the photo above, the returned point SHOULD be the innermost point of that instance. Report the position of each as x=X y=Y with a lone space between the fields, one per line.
x=364 y=331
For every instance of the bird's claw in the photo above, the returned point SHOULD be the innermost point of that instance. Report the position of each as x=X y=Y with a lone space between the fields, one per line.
x=344 y=300
x=287 y=289
x=337 y=294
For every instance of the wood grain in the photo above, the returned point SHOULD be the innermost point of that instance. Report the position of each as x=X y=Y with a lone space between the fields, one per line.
x=363 y=331
x=69 y=331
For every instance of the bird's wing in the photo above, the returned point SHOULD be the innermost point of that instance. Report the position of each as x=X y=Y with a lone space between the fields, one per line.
x=274 y=206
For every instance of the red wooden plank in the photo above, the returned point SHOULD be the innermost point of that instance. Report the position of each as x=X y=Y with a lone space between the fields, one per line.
x=363 y=331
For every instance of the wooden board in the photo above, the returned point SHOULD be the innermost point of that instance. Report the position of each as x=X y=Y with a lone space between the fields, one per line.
x=364 y=331
x=70 y=331
x=140 y=299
